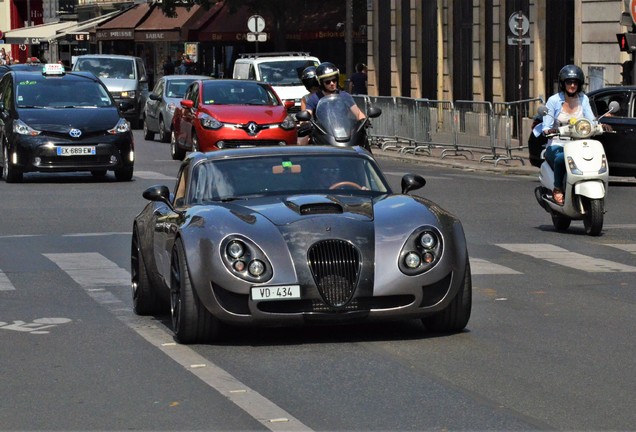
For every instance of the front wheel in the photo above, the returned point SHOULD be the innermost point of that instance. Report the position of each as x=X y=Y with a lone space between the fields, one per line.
x=176 y=152
x=10 y=173
x=593 y=217
x=191 y=321
x=456 y=315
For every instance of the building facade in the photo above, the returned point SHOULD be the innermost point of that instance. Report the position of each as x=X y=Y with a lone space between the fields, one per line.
x=467 y=50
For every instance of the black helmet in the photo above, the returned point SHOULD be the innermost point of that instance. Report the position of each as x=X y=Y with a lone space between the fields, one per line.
x=571 y=72
x=327 y=70
x=308 y=77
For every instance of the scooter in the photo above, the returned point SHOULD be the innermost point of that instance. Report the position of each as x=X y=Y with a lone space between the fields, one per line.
x=587 y=176
x=334 y=124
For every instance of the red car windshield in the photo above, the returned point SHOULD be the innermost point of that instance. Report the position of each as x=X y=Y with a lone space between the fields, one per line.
x=237 y=93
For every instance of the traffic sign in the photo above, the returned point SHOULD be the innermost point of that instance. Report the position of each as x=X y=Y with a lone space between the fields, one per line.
x=515 y=41
x=256 y=23
x=518 y=22
x=257 y=37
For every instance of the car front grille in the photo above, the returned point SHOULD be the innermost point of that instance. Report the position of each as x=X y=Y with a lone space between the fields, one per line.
x=335 y=267
x=249 y=143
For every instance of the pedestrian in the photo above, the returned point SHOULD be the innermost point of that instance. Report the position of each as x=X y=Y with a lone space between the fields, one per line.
x=4 y=58
x=168 y=66
x=358 y=80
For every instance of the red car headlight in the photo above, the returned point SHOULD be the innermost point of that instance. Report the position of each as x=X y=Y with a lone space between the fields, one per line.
x=210 y=122
x=289 y=123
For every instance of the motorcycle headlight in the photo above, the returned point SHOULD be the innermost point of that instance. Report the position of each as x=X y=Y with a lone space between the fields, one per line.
x=210 y=122
x=122 y=126
x=288 y=123
x=583 y=128
x=22 y=128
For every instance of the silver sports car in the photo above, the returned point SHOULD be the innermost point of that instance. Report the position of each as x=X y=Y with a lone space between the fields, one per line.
x=295 y=235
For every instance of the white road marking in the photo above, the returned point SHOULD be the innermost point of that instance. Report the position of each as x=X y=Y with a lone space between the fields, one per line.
x=629 y=247
x=480 y=266
x=92 y=270
x=5 y=283
x=152 y=175
x=566 y=258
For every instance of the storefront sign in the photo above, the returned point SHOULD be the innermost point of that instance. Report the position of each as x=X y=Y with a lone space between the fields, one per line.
x=115 y=34
x=157 y=36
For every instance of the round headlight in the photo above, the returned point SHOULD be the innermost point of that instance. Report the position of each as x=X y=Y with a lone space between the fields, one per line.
x=412 y=260
x=256 y=268
x=583 y=127
x=428 y=240
x=235 y=249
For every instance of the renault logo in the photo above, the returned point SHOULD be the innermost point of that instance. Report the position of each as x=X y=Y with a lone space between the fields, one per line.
x=252 y=128
x=75 y=133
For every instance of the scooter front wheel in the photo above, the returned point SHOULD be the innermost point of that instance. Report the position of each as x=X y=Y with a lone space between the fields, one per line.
x=560 y=222
x=593 y=217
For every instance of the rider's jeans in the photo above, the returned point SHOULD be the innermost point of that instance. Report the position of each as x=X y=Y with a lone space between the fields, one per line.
x=555 y=157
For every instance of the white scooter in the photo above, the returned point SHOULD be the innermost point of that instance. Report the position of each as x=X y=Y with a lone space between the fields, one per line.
x=587 y=176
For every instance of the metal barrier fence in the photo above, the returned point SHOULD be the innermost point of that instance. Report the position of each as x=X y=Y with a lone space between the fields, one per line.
x=457 y=128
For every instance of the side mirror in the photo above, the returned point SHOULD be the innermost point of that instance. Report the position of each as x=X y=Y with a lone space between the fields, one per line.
x=157 y=193
x=373 y=112
x=186 y=103
x=289 y=104
x=614 y=107
x=303 y=115
x=154 y=97
x=412 y=182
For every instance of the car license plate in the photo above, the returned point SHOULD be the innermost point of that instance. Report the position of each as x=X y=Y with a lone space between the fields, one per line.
x=284 y=292
x=76 y=151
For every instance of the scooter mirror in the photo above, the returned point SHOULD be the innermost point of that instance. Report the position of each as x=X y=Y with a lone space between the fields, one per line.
x=542 y=110
x=614 y=107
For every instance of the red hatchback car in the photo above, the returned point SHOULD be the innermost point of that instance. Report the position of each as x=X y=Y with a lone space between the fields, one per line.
x=217 y=114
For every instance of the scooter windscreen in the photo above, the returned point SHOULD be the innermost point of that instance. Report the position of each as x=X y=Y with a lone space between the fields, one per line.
x=333 y=114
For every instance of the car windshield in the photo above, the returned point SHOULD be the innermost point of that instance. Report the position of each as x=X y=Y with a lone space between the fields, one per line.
x=238 y=92
x=284 y=72
x=241 y=178
x=176 y=88
x=108 y=67
x=61 y=93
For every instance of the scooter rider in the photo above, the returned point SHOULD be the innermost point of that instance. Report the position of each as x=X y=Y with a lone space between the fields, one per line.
x=569 y=102
x=328 y=76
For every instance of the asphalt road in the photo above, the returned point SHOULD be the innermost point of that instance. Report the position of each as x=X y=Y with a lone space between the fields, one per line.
x=549 y=345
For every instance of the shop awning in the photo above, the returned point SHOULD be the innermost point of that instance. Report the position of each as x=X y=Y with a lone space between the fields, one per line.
x=35 y=34
x=82 y=29
x=225 y=25
x=122 y=27
x=157 y=27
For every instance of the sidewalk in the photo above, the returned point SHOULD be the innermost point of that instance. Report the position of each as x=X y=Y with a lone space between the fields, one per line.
x=463 y=160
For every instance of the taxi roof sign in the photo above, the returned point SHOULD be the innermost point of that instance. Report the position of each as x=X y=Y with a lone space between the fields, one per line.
x=53 y=69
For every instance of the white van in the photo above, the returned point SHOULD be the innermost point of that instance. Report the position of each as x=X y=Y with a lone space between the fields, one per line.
x=125 y=78
x=282 y=70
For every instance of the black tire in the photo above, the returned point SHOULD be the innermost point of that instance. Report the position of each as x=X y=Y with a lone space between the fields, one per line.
x=456 y=315
x=164 y=136
x=560 y=222
x=10 y=173
x=146 y=300
x=176 y=152
x=593 y=217
x=191 y=321
x=148 y=134
x=98 y=173
x=124 y=174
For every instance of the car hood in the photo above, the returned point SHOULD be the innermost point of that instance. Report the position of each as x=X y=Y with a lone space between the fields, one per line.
x=63 y=120
x=245 y=113
x=118 y=85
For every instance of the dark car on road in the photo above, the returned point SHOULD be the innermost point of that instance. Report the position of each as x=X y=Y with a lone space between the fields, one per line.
x=53 y=121
x=620 y=146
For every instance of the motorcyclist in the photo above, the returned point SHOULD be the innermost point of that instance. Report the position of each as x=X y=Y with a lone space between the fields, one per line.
x=328 y=76
x=310 y=82
x=569 y=103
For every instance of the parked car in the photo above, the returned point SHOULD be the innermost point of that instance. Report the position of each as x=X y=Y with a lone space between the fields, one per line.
x=52 y=121
x=620 y=146
x=295 y=235
x=216 y=114
x=124 y=76
x=162 y=102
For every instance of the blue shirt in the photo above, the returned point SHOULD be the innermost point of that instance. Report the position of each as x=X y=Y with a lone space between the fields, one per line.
x=554 y=104
x=312 y=101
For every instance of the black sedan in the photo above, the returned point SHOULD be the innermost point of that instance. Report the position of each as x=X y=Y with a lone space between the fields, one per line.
x=295 y=235
x=620 y=146
x=53 y=121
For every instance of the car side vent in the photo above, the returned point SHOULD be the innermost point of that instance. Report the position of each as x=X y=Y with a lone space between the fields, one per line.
x=335 y=266
x=320 y=208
